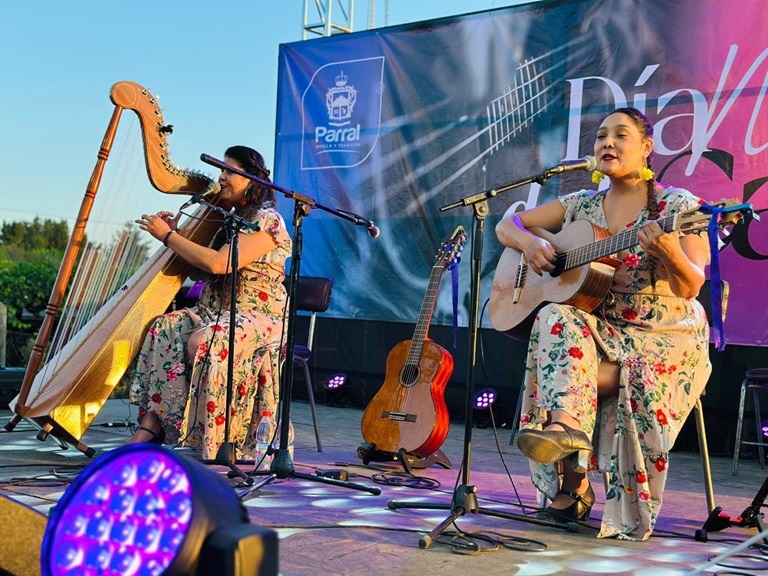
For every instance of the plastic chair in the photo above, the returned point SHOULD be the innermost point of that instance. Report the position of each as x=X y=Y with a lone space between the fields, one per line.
x=313 y=295
x=755 y=380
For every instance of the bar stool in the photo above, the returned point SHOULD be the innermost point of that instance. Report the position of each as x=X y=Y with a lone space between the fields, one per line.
x=754 y=380
x=313 y=296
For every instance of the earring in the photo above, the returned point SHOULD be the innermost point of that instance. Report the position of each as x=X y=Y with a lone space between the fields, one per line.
x=646 y=173
x=597 y=176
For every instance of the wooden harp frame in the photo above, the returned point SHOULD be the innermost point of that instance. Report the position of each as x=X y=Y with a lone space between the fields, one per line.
x=63 y=401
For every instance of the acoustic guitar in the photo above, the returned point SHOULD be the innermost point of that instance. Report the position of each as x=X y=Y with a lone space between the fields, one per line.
x=409 y=412
x=583 y=269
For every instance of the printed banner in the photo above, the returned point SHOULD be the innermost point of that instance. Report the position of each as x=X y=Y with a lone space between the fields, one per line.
x=411 y=126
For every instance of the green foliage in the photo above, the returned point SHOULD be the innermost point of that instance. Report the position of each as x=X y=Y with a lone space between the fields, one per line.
x=27 y=285
x=36 y=235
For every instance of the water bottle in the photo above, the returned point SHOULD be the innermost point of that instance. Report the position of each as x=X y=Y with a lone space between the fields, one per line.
x=289 y=446
x=264 y=432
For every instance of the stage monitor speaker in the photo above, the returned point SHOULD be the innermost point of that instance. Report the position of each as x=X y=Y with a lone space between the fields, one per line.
x=23 y=529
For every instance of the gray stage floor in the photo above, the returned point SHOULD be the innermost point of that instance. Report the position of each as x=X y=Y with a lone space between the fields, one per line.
x=330 y=530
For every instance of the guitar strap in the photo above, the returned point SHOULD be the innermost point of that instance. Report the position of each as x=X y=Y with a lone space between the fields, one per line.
x=454 y=268
x=714 y=267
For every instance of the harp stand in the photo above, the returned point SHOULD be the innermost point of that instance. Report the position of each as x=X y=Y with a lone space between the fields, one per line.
x=464 y=500
x=225 y=456
x=282 y=464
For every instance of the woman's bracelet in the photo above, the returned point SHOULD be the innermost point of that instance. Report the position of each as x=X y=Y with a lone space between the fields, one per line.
x=165 y=238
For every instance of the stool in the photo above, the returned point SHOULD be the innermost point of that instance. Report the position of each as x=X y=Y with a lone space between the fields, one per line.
x=755 y=380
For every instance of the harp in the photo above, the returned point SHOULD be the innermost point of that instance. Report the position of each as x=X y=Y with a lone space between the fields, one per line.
x=63 y=395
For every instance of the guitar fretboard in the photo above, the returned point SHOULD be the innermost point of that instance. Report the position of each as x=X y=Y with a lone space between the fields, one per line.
x=616 y=243
x=425 y=315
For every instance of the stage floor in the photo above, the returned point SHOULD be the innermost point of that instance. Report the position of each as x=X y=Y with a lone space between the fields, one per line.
x=331 y=530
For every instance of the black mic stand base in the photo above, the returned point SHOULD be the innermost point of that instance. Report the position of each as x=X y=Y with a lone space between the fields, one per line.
x=282 y=468
x=465 y=502
x=226 y=457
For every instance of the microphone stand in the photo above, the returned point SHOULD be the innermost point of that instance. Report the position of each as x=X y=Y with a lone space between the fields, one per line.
x=282 y=465
x=233 y=223
x=464 y=500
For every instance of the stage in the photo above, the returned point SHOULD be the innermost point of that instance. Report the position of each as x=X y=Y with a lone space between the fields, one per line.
x=329 y=530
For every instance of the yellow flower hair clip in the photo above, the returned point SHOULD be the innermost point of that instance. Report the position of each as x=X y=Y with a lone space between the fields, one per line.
x=597 y=176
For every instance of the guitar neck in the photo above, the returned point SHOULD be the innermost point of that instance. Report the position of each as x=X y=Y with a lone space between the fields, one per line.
x=425 y=315
x=607 y=246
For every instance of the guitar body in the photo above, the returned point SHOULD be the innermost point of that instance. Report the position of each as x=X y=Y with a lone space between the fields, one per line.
x=409 y=410
x=518 y=293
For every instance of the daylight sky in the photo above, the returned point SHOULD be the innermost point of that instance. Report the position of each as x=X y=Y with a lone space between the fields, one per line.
x=213 y=65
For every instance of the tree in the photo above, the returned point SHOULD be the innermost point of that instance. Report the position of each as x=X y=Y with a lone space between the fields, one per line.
x=36 y=235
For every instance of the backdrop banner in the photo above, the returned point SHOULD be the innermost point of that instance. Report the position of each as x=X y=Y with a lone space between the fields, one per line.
x=395 y=124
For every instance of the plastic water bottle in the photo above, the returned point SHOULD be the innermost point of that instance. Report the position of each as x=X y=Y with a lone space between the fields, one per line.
x=289 y=446
x=264 y=432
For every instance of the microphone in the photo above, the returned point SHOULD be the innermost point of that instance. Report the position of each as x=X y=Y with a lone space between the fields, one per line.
x=213 y=189
x=373 y=230
x=587 y=163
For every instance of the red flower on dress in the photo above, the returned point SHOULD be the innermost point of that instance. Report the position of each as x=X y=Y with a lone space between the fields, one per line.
x=662 y=205
x=263 y=296
x=661 y=464
x=575 y=352
x=241 y=390
x=585 y=331
x=629 y=314
x=217 y=327
x=631 y=260
x=633 y=404
x=219 y=420
x=643 y=496
x=262 y=379
x=556 y=329
x=210 y=407
x=640 y=477
x=156 y=398
x=223 y=354
x=661 y=417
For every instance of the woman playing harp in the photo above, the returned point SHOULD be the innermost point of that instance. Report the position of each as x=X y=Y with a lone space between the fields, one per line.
x=179 y=379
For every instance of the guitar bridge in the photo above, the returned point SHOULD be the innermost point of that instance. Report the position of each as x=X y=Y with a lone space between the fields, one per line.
x=399 y=416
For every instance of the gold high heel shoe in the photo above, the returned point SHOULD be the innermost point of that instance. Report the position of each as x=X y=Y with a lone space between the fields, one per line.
x=549 y=446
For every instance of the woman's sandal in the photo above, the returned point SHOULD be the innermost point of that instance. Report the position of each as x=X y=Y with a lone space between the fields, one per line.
x=156 y=436
x=576 y=512
x=549 y=446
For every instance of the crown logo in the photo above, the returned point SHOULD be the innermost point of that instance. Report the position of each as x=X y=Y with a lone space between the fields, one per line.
x=341 y=79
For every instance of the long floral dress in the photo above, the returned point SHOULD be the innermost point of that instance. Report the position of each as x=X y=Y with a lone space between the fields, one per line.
x=660 y=342
x=189 y=394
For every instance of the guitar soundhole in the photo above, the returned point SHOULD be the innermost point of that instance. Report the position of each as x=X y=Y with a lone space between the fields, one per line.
x=409 y=375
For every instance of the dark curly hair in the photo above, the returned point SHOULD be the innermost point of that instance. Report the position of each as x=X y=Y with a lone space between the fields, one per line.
x=257 y=196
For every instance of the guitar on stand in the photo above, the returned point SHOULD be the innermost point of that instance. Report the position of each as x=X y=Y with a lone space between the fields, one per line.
x=407 y=420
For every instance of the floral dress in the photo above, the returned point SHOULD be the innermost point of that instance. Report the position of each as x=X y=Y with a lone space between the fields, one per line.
x=659 y=340
x=189 y=394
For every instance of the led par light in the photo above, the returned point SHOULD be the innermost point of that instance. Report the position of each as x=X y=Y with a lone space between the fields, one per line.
x=144 y=510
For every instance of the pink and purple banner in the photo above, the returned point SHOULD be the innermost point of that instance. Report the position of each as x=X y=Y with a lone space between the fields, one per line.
x=395 y=124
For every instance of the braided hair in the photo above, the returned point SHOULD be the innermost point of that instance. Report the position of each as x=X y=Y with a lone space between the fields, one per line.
x=257 y=197
x=646 y=130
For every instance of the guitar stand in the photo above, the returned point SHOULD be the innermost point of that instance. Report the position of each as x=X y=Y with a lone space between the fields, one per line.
x=369 y=453
x=751 y=517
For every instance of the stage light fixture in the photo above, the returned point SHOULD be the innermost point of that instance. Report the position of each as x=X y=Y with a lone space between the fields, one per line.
x=484 y=399
x=764 y=428
x=143 y=509
x=336 y=381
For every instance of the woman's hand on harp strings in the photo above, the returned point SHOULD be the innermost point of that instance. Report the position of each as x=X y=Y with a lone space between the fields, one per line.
x=159 y=225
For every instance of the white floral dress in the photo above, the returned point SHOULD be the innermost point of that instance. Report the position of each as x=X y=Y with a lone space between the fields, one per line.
x=660 y=342
x=189 y=394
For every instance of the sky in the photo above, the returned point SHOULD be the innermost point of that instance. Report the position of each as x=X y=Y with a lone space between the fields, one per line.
x=212 y=64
